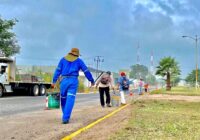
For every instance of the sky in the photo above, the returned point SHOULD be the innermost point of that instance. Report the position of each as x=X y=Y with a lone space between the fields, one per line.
x=113 y=29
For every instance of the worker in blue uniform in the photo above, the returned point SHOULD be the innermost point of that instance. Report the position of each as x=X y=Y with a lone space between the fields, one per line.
x=68 y=71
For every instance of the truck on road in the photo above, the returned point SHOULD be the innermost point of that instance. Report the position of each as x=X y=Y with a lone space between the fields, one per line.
x=9 y=85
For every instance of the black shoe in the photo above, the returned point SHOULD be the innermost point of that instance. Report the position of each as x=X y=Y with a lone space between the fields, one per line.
x=65 y=122
x=108 y=105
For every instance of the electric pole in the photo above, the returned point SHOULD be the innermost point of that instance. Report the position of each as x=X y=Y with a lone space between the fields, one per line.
x=196 y=38
x=152 y=63
x=138 y=61
x=138 y=54
x=151 y=69
x=98 y=60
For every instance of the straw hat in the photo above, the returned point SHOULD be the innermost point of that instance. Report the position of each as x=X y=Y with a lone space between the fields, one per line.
x=72 y=55
x=75 y=51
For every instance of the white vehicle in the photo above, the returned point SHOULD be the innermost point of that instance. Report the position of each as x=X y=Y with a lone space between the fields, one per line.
x=8 y=83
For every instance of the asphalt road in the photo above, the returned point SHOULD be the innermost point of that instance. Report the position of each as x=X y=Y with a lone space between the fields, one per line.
x=24 y=104
x=12 y=105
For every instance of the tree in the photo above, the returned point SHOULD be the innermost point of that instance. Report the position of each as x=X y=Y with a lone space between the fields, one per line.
x=138 y=71
x=168 y=67
x=191 y=78
x=8 y=42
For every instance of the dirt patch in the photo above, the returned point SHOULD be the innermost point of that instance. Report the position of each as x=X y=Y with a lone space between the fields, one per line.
x=104 y=129
x=172 y=97
x=46 y=124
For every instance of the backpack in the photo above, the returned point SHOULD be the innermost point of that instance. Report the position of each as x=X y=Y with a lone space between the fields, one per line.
x=125 y=84
x=104 y=80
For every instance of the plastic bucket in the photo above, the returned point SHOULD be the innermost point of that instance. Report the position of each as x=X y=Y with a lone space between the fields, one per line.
x=115 y=100
x=53 y=100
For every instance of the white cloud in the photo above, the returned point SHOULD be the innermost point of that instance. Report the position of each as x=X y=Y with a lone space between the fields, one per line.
x=151 y=6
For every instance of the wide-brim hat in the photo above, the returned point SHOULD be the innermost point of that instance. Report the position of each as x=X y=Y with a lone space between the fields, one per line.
x=75 y=51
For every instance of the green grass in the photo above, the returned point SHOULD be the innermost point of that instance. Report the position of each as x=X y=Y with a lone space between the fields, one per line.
x=190 y=91
x=153 y=120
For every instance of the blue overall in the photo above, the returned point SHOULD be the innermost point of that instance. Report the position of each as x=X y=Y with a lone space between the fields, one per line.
x=69 y=72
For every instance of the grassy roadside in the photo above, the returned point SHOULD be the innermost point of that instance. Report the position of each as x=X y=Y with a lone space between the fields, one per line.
x=189 y=91
x=162 y=120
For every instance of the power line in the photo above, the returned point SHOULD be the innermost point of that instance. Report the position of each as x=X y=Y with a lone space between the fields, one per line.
x=98 y=60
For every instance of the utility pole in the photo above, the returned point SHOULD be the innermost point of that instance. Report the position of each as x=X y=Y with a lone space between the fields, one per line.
x=138 y=54
x=151 y=69
x=138 y=61
x=98 y=60
x=152 y=64
x=196 y=39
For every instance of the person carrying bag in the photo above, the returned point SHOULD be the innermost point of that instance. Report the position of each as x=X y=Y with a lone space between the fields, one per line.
x=104 y=83
x=123 y=86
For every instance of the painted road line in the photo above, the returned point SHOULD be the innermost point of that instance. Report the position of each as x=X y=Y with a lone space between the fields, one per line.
x=69 y=137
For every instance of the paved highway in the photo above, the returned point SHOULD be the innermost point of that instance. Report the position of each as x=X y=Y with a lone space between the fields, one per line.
x=12 y=105
x=23 y=104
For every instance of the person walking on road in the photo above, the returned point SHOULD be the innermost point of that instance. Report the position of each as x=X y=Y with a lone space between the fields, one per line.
x=104 y=83
x=68 y=71
x=123 y=86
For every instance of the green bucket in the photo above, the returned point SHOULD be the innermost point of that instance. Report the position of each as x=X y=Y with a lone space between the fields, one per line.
x=53 y=100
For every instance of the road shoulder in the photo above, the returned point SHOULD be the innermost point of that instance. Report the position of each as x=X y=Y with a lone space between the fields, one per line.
x=46 y=124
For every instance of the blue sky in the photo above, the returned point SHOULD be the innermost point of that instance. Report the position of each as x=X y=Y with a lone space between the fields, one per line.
x=48 y=29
